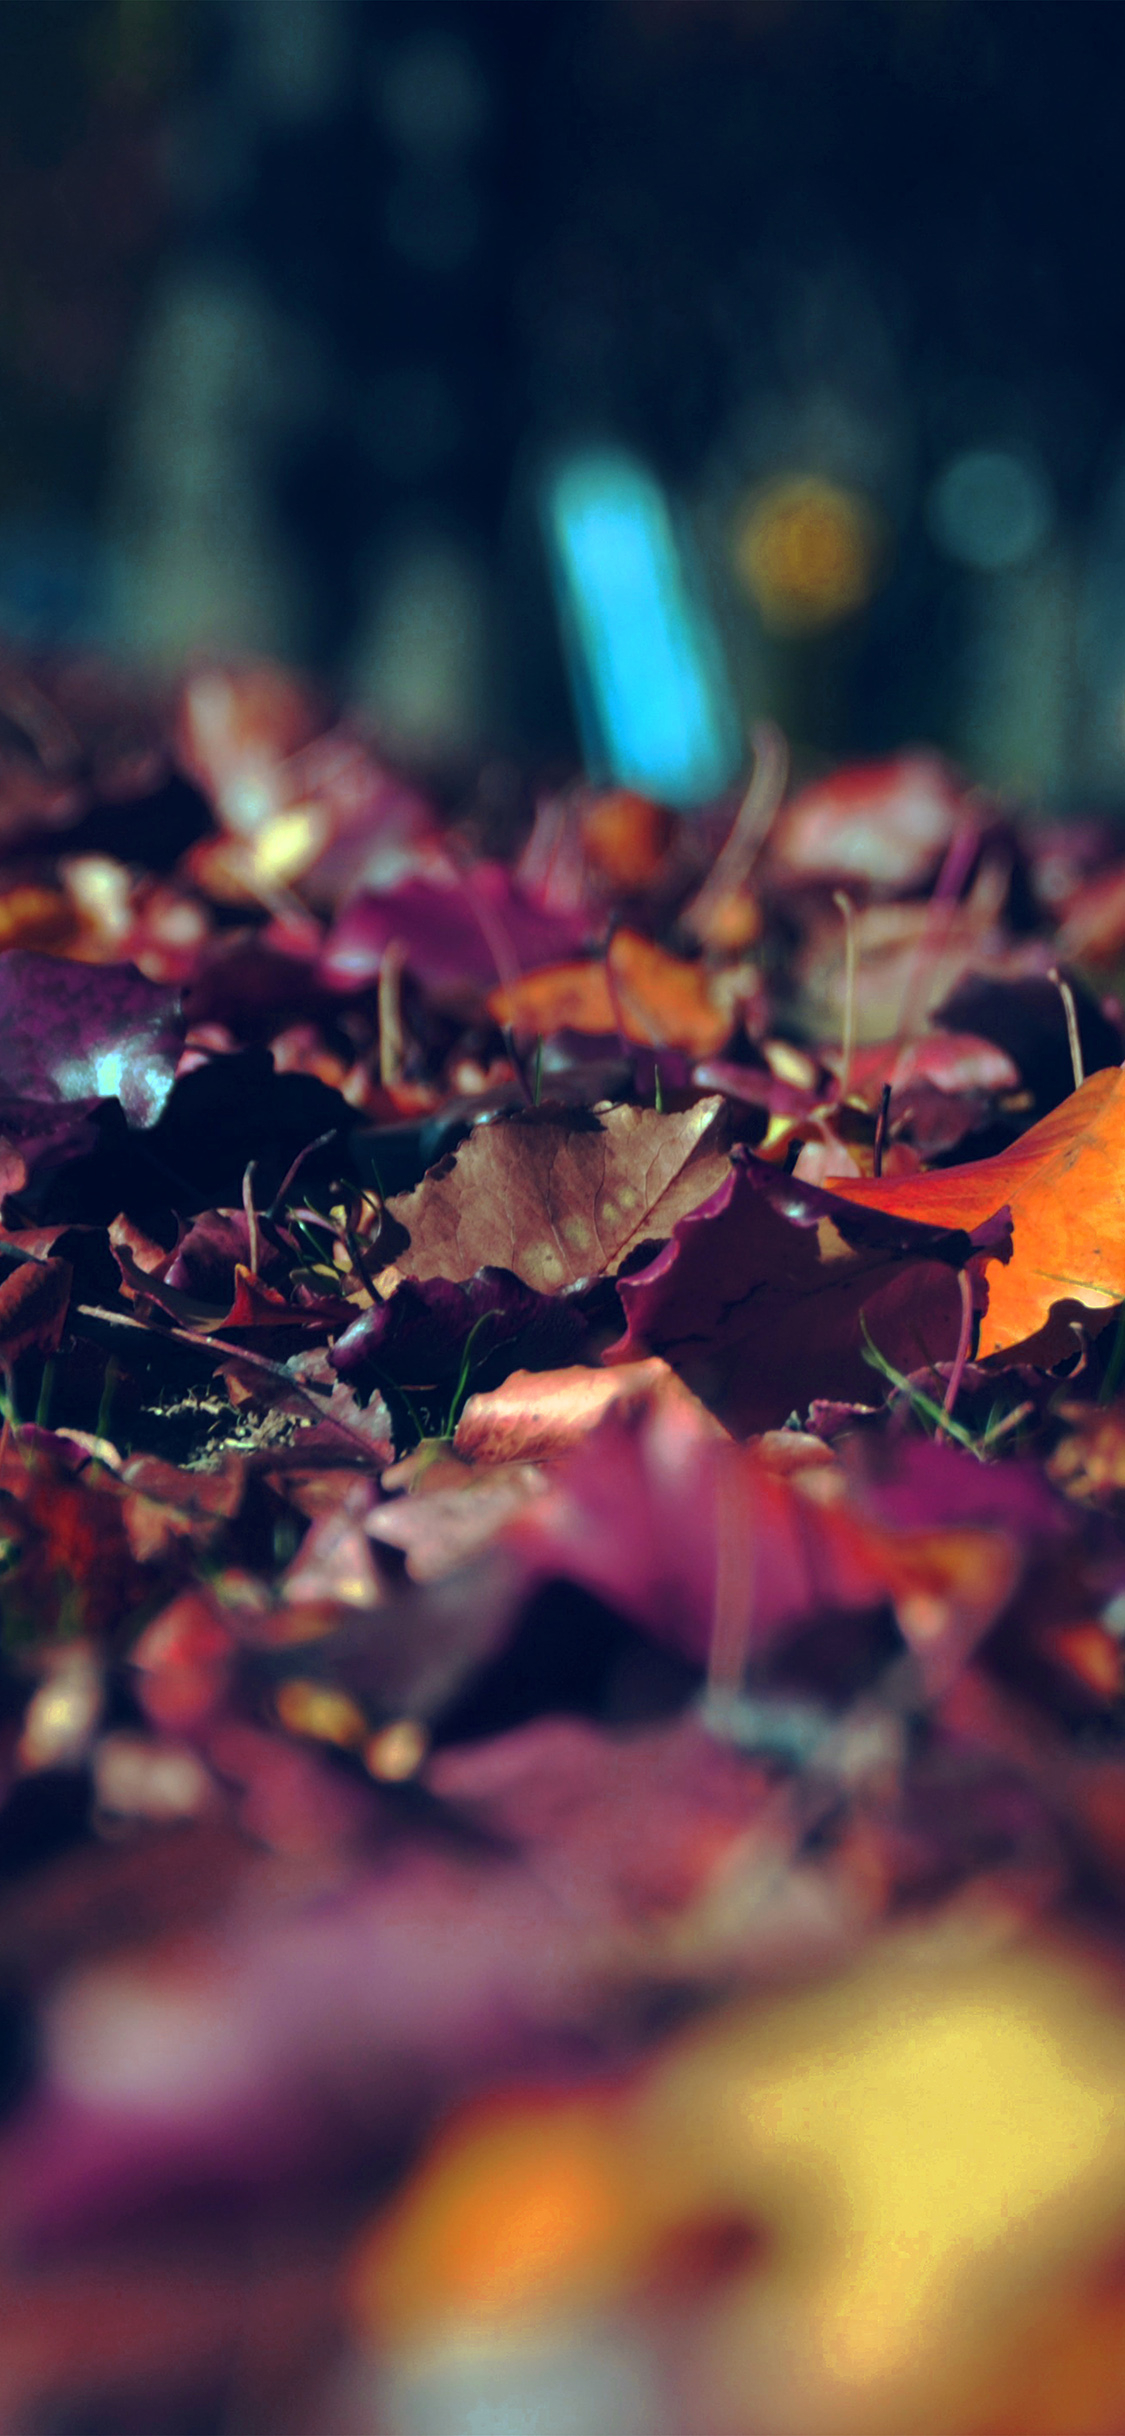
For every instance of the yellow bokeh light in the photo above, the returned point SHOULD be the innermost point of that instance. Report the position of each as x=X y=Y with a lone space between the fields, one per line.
x=808 y=551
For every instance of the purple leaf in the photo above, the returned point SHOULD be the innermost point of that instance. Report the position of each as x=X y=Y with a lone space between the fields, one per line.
x=756 y=1300
x=36 y=1136
x=418 y=1339
x=926 y=1484
x=214 y=1246
x=1027 y=1018
x=85 y=1032
x=467 y=931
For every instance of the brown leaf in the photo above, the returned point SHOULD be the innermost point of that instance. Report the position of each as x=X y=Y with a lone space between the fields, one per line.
x=539 y=1413
x=163 y=1504
x=144 y=1256
x=556 y=1202
x=33 y=1300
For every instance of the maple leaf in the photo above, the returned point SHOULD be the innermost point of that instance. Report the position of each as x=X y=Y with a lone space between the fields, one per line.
x=1062 y=1184
x=555 y=1201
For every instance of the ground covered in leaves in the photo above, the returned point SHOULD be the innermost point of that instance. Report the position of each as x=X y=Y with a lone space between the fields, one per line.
x=562 y=1573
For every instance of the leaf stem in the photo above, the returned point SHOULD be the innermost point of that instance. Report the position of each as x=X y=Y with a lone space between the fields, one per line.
x=964 y=1341
x=1070 y=1010
x=841 y=899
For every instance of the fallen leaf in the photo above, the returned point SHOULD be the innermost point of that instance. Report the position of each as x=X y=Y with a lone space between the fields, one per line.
x=418 y=1339
x=953 y=1061
x=459 y=930
x=38 y=1138
x=638 y=989
x=624 y=836
x=183 y=1659
x=71 y=1032
x=33 y=1304
x=756 y=1300
x=569 y=1796
x=163 y=1504
x=703 y=1541
x=909 y=957
x=443 y=1530
x=1026 y=1018
x=1062 y=1183
x=884 y=822
x=556 y=1201
x=540 y=1413
x=70 y=1567
x=1093 y=930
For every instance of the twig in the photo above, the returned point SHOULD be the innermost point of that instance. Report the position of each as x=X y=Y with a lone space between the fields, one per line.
x=1070 y=1010
x=964 y=1341
x=251 y=1215
x=847 y=1044
x=392 y=1036
x=292 y=1172
x=752 y=824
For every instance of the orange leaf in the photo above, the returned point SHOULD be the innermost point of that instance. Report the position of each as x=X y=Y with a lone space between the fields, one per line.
x=625 y=837
x=560 y=997
x=664 y=1000
x=1062 y=1183
x=640 y=989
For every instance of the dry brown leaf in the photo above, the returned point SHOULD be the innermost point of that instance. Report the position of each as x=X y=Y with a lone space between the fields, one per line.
x=33 y=1303
x=556 y=1202
x=538 y=1413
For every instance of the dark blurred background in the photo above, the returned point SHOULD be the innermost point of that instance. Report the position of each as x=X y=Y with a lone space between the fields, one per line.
x=298 y=297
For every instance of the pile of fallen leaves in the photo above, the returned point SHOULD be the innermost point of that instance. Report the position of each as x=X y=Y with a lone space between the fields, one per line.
x=562 y=1575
